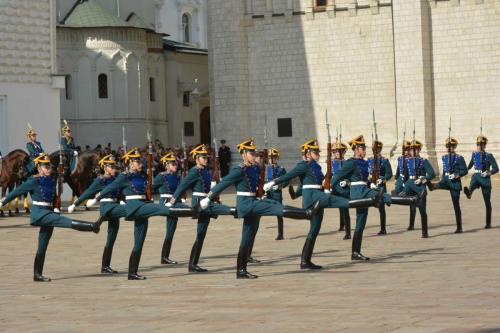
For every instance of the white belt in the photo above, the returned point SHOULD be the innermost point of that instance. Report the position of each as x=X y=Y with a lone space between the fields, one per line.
x=42 y=203
x=246 y=194
x=166 y=195
x=478 y=171
x=447 y=173
x=108 y=200
x=200 y=194
x=412 y=177
x=135 y=197
x=317 y=187
x=358 y=183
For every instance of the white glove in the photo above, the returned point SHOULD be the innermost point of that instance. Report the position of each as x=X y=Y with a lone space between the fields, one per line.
x=57 y=211
x=373 y=186
x=168 y=204
x=343 y=183
x=212 y=184
x=452 y=176
x=122 y=203
x=91 y=202
x=418 y=181
x=75 y=153
x=276 y=187
x=183 y=200
x=204 y=203
x=268 y=186
x=1 y=204
x=379 y=181
x=485 y=174
x=71 y=209
x=327 y=191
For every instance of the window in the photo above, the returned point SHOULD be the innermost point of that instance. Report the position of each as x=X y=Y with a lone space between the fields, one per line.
x=189 y=128
x=185 y=28
x=152 y=89
x=284 y=127
x=186 y=98
x=67 y=86
x=102 y=81
x=320 y=5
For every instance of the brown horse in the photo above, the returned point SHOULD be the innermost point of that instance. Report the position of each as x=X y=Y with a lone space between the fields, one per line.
x=87 y=169
x=13 y=172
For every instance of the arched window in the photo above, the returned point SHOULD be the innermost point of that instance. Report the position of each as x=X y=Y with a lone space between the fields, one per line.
x=185 y=28
x=102 y=81
x=68 y=86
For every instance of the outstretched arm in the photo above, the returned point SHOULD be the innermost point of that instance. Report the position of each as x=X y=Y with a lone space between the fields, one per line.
x=25 y=187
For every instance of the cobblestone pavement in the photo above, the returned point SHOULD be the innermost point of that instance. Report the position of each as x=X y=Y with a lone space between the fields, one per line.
x=446 y=283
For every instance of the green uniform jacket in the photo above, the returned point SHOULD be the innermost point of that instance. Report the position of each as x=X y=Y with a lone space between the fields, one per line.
x=123 y=183
x=306 y=176
x=426 y=170
x=34 y=187
x=459 y=168
x=245 y=205
x=98 y=185
x=351 y=172
x=198 y=180
x=488 y=163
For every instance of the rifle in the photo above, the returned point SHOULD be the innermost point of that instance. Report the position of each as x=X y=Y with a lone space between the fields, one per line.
x=215 y=171
x=185 y=162
x=340 y=140
x=149 y=187
x=414 y=152
x=403 y=154
x=124 y=144
x=375 y=154
x=60 y=174
x=449 y=149
x=263 y=161
x=481 y=146
x=328 y=176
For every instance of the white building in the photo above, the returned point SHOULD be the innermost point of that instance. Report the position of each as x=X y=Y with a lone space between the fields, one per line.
x=28 y=85
x=115 y=76
x=152 y=83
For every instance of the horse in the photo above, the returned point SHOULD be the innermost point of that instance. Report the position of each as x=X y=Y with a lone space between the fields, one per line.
x=87 y=169
x=13 y=173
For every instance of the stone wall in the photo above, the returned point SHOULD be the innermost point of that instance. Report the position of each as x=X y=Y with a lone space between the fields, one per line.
x=27 y=61
x=419 y=60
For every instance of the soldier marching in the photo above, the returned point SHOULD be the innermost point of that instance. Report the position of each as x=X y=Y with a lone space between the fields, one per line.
x=357 y=182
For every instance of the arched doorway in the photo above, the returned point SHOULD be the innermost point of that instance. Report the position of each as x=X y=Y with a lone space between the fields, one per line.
x=205 y=135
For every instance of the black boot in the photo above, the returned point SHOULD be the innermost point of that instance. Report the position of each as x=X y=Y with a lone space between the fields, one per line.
x=241 y=265
x=347 y=224
x=183 y=212
x=133 y=266
x=413 y=214
x=305 y=262
x=38 y=269
x=194 y=258
x=488 y=218
x=100 y=220
x=356 y=247
x=299 y=213
x=468 y=192
x=383 y=230
x=85 y=226
x=250 y=259
x=280 y=228
x=165 y=253
x=405 y=200
x=363 y=203
x=106 y=261
x=292 y=193
x=431 y=186
x=424 y=226
x=459 y=224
